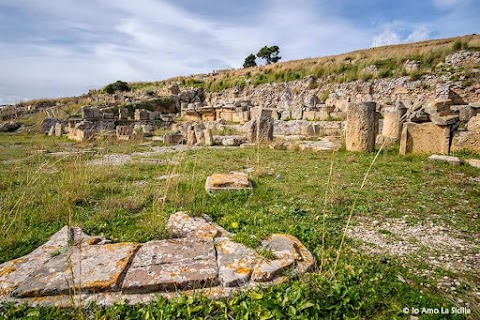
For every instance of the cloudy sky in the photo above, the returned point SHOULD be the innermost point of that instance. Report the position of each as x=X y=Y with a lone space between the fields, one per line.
x=53 y=48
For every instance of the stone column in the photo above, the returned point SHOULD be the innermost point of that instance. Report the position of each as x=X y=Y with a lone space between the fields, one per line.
x=191 y=137
x=393 y=122
x=208 y=135
x=361 y=127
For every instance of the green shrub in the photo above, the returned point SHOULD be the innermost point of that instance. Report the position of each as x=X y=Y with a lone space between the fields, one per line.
x=116 y=86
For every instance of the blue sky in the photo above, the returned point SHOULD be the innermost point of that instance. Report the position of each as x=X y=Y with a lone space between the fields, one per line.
x=53 y=48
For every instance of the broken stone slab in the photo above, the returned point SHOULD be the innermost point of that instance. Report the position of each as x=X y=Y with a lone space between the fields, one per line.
x=235 y=181
x=473 y=162
x=452 y=160
x=173 y=264
x=265 y=270
x=235 y=262
x=95 y=268
x=90 y=271
x=288 y=247
x=181 y=224
x=13 y=273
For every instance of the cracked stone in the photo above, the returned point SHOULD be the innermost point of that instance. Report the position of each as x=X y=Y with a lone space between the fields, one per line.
x=85 y=268
x=175 y=264
x=235 y=263
x=13 y=273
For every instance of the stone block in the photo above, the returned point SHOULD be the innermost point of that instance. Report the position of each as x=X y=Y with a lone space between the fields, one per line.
x=468 y=141
x=393 y=119
x=473 y=162
x=171 y=139
x=425 y=138
x=89 y=268
x=141 y=114
x=173 y=264
x=58 y=129
x=448 y=159
x=124 y=132
x=228 y=182
x=474 y=124
x=208 y=137
x=123 y=114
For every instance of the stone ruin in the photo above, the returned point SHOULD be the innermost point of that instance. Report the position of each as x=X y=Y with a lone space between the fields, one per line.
x=108 y=121
x=425 y=115
x=442 y=126
x=73 y=267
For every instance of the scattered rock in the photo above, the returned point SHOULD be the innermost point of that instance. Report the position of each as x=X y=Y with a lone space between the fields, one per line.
x=9 y=126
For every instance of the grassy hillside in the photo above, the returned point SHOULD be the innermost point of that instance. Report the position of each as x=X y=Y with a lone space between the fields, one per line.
x=339 y=68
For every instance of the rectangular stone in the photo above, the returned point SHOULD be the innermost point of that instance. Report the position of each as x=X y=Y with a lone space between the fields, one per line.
x=466 y=141
x=424 y=138
x=174 y=264
x=227 y=182
x=87 y=268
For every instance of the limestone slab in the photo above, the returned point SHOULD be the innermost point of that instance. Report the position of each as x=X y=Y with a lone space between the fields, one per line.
x=235 y=262
x=95 y=268
x=13 y=273
x=181 y=224
x=228 y=182
x=265 y=270
x=288 y=247
x=440 y=158
x=174 y=264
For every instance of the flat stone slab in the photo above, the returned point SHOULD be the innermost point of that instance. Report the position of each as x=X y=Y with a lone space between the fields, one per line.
x=452 y=160
x=73 y=268
x=228 y=182
x=235 y=262
x=14 y=272
x=170 y=265
x=181 y=224
x=95 y=268
x=473 y=162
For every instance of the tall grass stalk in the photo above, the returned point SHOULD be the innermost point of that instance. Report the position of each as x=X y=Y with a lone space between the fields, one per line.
x=352 y=211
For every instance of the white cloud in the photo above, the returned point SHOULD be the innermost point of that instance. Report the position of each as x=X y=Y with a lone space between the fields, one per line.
x=400 y=32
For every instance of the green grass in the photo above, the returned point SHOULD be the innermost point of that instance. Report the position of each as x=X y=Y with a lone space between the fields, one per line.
x=127 y=203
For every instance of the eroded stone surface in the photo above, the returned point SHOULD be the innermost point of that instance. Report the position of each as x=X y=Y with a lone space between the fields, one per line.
x=174 y=264
x=228 y=182
x=235 y=262
x=13 y=273
x=181 y=224
x=73 y=267
x=87 y=268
